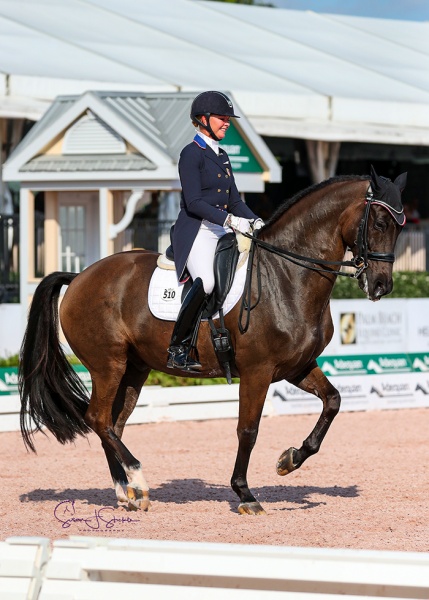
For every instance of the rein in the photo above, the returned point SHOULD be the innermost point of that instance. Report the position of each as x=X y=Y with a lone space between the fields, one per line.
x=359 y=262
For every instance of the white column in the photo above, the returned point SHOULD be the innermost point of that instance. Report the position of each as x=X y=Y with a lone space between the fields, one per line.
x=24 y=254
x=322 y=159
x=104 y=222
x=130 y=209
x=1 y=166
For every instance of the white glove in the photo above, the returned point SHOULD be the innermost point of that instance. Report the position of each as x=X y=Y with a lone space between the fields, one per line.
x=238 y=223
x=258 y=224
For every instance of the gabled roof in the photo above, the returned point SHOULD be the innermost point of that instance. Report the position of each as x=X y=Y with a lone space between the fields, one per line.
x=88 y=163
x=294 y=73
x=119 y=136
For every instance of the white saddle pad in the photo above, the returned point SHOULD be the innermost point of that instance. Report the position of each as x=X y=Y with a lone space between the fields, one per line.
x=165 y=294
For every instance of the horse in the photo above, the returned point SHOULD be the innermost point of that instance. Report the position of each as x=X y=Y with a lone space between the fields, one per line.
x=107 y=323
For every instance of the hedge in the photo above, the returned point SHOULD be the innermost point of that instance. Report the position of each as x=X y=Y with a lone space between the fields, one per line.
x=406 y=284
x=155 y=377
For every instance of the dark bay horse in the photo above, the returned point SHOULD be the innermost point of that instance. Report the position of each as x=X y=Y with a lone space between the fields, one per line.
x=108 y=325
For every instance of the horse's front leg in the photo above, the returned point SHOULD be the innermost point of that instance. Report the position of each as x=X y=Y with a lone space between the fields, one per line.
x=253 y=390
x=315 y=383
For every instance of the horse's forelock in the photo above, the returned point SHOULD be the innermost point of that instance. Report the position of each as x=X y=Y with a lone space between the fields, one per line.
x=311 y=189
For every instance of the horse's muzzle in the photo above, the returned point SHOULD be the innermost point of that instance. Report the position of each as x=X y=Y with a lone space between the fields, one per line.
x=377 y=287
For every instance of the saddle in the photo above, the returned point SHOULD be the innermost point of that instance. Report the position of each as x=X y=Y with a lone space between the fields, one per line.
x=224 y=265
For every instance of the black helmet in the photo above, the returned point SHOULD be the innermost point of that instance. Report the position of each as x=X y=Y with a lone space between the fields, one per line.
x=214 y=103
x=211 y=103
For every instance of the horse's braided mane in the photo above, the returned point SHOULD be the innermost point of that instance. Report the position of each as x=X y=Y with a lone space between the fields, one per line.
x=313 y=188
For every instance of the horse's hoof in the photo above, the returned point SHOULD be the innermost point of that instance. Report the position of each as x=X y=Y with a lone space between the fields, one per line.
x=285 y=463
x=251 y=508
x=139 y=505
x=138 y=499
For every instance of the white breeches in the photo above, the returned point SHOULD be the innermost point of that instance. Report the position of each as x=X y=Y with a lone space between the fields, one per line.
x=201 y=256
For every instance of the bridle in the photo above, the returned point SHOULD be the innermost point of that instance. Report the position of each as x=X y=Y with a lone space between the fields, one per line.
x=363 y=255
x=359 y=262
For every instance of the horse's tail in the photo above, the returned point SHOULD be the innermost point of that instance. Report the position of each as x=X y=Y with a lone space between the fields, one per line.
x=52 y=395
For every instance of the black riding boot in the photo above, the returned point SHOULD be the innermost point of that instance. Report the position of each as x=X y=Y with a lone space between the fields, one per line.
x=187 y=322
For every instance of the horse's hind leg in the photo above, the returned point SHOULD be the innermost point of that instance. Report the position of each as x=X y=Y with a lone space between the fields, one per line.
x=315 y=383
x=123 y=405
x=110 y=407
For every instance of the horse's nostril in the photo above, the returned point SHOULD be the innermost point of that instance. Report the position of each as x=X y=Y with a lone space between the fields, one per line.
x=379 y=290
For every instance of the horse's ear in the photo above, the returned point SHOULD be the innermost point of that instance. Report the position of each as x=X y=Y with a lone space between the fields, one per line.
x=373 y=174
x=401 y=181
x=374 y=179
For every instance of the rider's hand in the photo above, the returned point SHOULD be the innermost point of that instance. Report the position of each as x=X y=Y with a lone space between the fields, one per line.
x=258 y=224
x=238 y=223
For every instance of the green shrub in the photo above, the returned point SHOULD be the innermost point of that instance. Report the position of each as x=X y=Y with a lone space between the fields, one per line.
x=406 y=284
x=10 y=361
x=155 y=377
x=166 y=380
x=409 y=284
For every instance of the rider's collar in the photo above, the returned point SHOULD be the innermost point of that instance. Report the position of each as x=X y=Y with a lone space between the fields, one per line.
x=204 y=140
x=392 y=205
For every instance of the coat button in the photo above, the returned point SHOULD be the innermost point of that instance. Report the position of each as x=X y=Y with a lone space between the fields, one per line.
x=219 y=175
x=227 y=176
x=219 y=190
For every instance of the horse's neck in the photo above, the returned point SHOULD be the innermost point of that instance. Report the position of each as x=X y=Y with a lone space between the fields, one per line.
x=311 y=227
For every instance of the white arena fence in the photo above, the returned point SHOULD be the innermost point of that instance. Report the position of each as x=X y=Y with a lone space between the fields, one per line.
x=199 y=403
x=87 y=568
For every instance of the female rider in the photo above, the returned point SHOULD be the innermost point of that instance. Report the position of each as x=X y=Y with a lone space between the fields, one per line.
x=210 y=207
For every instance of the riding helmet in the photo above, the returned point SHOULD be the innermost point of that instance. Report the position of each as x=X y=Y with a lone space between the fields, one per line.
x=211 y=103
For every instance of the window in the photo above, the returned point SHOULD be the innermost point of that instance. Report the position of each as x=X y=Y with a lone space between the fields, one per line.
x=73 y=238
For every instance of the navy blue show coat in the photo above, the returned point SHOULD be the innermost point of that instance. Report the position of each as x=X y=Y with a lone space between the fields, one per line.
x=208 y=192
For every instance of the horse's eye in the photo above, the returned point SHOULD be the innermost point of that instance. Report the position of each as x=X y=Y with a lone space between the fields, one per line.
x=380 y=225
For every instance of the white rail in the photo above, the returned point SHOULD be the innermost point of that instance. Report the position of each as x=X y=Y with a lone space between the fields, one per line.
x=22 y=563
x=157 y=404
x=85 y=568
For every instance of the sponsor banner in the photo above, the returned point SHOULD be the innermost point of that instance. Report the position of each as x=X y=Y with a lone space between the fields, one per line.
x=374 y=364
x=362 y=327
x=378 y=392
x=393 y=325
x=9 y=379
x=287 y=399
x=417 y=311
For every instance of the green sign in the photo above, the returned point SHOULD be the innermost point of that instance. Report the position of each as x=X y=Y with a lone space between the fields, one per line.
x=374 y=364
x=84 y=376
x=241 y=157
x=9 y=379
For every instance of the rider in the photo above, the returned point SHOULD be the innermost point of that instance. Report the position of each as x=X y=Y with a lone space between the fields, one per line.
x=210 y=207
